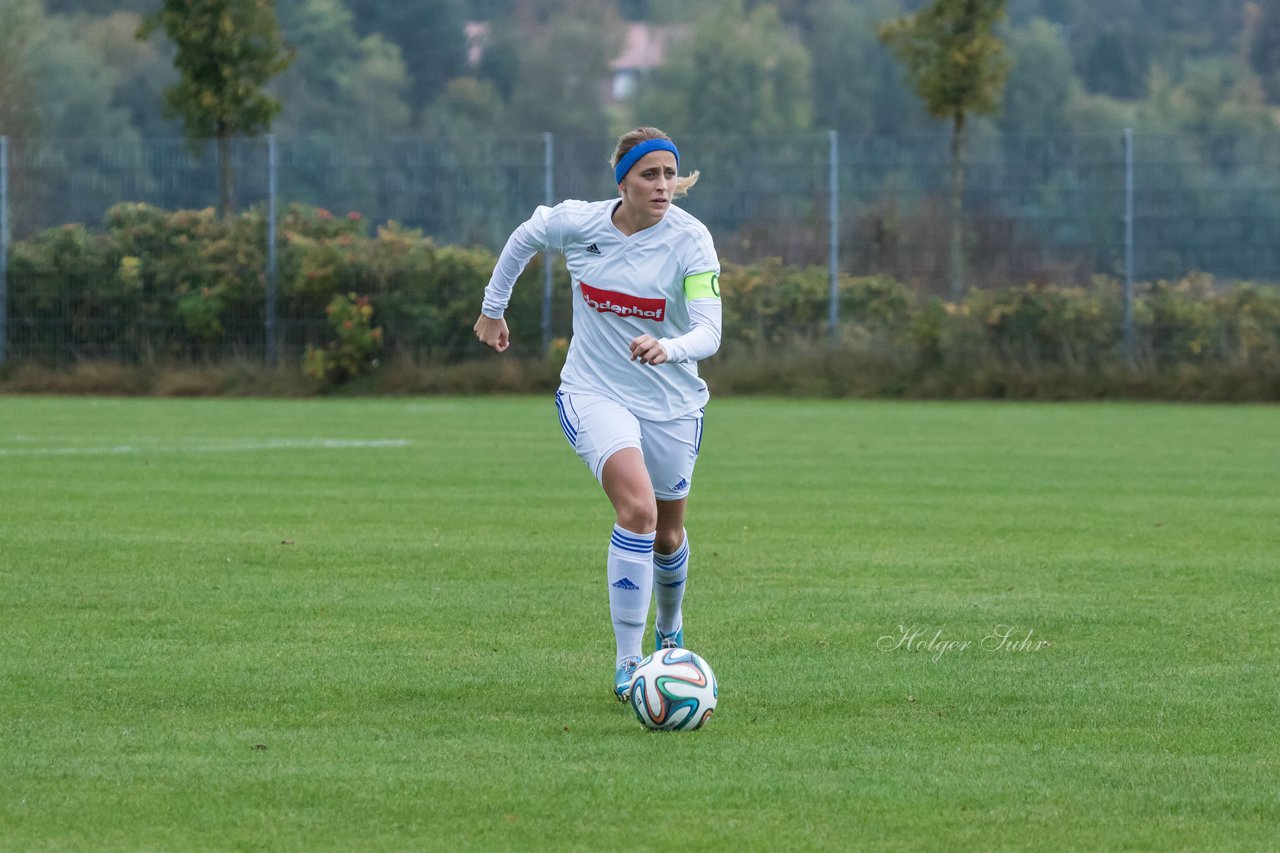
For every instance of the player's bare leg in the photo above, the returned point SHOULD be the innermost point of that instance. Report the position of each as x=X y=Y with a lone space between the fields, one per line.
x=626 y=482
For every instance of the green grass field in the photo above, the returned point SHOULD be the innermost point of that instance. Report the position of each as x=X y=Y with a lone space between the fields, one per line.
x=382 y=624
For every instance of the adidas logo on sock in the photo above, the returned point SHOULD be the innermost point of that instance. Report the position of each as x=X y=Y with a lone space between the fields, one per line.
x=626 y=584
x=593 y=249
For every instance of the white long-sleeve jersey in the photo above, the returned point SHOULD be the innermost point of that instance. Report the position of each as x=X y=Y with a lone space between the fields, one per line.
x=661 y=281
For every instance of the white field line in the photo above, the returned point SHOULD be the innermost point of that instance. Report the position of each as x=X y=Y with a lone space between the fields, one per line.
x=225 y=447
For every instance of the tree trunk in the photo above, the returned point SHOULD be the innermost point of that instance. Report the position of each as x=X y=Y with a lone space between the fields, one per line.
x=955 y=258
x=226 y=176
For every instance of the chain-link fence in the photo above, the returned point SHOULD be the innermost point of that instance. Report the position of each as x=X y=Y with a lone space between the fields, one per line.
x=1038 y=209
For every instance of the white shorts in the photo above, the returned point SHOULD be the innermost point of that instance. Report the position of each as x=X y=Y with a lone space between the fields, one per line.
x=597 y=427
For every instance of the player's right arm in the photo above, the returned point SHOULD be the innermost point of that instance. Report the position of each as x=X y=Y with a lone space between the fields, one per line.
x=530 y=238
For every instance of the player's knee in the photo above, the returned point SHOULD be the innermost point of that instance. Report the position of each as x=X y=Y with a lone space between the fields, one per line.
x=638 y=514
x=668 y=541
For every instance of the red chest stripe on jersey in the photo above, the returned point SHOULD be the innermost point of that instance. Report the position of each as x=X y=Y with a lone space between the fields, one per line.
x=623 y=304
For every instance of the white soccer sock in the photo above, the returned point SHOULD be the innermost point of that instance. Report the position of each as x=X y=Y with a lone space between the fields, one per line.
x=669 y=574
x=630 y=568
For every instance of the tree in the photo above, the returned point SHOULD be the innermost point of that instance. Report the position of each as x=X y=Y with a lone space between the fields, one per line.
x=20 y=22
x=70 y=117
x=340 y=83
x=74 y=89
x=1263 y=47
x=1043 y=85
x=738 y=73
x=431 y=35
x=1218 y=96
x=563 y=61
x=468 y=107
x=1114 y=47
x=94 y=7
x=500 y=59
x=1115 y=57
x=142 y=69
x=862 y=88
x=226 y=51
x=957 y=64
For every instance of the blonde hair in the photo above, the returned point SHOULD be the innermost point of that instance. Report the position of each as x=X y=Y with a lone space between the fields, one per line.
x=632 y=138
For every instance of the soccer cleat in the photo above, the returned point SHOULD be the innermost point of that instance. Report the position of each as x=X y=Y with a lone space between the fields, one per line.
x=623 y=677
x=674 y=640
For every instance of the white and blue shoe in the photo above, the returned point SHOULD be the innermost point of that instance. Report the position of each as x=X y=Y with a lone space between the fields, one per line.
x=623 y=677
x=674 y=640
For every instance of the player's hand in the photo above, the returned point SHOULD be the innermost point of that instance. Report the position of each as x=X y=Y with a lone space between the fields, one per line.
x=647 y=350
x=493 y=332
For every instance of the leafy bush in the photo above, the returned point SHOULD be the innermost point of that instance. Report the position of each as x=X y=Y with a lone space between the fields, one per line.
x=770 y=305
x=64 y=278
x=427 y=296
x=355 y=346
x=153 y=286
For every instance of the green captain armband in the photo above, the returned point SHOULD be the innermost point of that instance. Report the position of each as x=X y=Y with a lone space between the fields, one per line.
x=702 y=284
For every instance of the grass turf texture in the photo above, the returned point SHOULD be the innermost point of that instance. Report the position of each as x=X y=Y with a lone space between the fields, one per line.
x=356 y=624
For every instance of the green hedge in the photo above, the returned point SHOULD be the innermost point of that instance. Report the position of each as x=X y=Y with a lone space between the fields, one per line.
x=770 y=307
x=1190 y=341
x=152 y=286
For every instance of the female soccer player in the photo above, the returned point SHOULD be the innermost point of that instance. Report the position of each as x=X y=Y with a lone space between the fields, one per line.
x=646 y=308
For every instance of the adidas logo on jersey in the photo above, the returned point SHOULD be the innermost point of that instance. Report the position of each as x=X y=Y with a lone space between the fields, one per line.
x=593 y=249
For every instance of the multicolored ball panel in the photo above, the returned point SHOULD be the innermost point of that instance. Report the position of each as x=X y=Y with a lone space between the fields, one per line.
x=674 y=690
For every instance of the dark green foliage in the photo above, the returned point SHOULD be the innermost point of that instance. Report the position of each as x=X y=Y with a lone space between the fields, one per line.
x=953 y=56
x=19 y=22
x=226 y=51
x=354 y=346
x=740 y=69
x=430 y=35
x=1191 y=341
x=1114 y=47
x=1263 y=45
x=339 y=82
x=155 y=287
x=563 y=63
x=419 y=48
x=958 y=66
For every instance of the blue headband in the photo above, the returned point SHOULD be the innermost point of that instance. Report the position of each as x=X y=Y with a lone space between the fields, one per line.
x=630 y=158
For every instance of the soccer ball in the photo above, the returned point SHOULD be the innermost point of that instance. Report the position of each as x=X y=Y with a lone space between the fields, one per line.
x=674 y=689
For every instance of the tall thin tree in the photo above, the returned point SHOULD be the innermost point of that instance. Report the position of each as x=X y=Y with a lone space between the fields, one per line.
x=226 y=51
x=20 y=23
x=957 y=64
x=1262 y=38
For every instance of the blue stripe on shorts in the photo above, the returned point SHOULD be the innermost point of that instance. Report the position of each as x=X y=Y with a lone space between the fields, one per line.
x=565 y=424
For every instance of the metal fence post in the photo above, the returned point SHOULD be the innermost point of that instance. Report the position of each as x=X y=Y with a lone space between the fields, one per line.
x=4 y=249
x=272 y=353
x=1127 y=328
x=833 y=239
x=548 y=166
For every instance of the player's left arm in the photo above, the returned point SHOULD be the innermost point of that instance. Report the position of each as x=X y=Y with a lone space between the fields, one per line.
x=702 y=291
